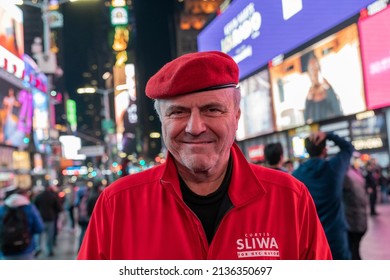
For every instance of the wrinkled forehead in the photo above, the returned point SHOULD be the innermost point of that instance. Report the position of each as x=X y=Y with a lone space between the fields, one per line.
x=198 y=99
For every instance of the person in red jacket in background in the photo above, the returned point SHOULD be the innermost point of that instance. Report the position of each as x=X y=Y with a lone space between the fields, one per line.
x=206 y=201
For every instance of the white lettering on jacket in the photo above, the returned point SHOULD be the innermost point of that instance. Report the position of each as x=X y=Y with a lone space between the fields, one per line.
x=257 y=244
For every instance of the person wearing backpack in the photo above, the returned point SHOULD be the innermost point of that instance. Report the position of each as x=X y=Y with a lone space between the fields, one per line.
x=19 y=221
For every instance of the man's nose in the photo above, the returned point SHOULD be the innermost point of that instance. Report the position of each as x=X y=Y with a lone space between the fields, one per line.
x=195 y=124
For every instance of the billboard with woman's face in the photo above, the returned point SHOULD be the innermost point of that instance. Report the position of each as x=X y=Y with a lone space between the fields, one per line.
x=16 y=106
x=322 y=82
x=16 y=109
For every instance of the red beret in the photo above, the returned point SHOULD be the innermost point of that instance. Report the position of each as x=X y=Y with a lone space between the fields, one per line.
x=193 y=72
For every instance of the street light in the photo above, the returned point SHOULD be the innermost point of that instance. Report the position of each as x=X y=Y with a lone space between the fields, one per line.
x=108 y=124
x=106 y=100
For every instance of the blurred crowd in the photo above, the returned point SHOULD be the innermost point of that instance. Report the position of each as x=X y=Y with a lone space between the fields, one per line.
x=377 y=177
x=49 y=210
x=346 y=189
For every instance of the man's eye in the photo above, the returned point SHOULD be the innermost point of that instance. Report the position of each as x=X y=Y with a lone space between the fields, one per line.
x=213 y=111
x=175 y=113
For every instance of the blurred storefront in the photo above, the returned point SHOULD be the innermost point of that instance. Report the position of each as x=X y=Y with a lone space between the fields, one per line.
x=23 y=105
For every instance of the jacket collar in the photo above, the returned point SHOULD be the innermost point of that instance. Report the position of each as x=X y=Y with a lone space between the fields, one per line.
x=244 y=185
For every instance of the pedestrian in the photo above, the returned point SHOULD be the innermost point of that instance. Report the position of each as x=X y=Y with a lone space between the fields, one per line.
x=49 y=206
x=289 y=166
x=206 y=201
x=273 y=154
x=356 y=204
x=85 y=208
x=70 y=205
x=383 y=182
x=372 y=182
x=324 y=178
x=18 y=198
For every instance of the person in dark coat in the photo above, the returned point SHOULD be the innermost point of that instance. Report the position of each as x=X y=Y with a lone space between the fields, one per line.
x=49 y=206
x=372 y=176
x=324 y=178
x=355 y=202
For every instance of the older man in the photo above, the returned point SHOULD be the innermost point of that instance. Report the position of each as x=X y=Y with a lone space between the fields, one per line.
x=206 y=201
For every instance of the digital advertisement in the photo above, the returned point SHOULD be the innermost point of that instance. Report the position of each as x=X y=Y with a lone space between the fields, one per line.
x=16 y=109
x=322 y=82
x=11 y=29
x=255 y=32
x=256 y=107
x=126 y=117
x=374 y=34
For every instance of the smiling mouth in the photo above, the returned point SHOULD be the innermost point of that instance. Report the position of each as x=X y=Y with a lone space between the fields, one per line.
x=197 y=143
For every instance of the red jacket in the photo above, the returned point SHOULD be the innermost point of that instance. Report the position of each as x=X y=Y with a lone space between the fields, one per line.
x=143 y=216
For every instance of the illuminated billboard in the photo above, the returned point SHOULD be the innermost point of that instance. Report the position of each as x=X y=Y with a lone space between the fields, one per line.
x=369 y=132
x=16 y=110
x=322 y=82
x=36 y=83
x=374 y=34
x=253 y=32
x=40 y=119
x=126 y=117
x=256 y=107
x=11 y=28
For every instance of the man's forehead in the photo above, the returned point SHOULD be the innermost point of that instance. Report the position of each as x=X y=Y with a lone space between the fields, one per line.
x=199 y=99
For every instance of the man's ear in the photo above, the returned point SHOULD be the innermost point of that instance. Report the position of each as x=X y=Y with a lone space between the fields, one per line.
x=238 y=115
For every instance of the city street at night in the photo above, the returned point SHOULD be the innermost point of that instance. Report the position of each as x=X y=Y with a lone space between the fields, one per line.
x=237 y=130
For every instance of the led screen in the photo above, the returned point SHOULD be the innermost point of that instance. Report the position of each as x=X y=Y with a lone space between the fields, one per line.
x=369 y=133
x=36 y=82
x=16 y=109
x=256 y=107
x=256 y=153
x=40 y=119
x=126 y=117
x=375 y=41
x=298 y=147
x=11 y=28
x=253 y=32
x=322 y=82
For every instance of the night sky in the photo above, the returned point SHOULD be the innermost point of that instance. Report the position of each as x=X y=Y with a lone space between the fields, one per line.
x=85 y=41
